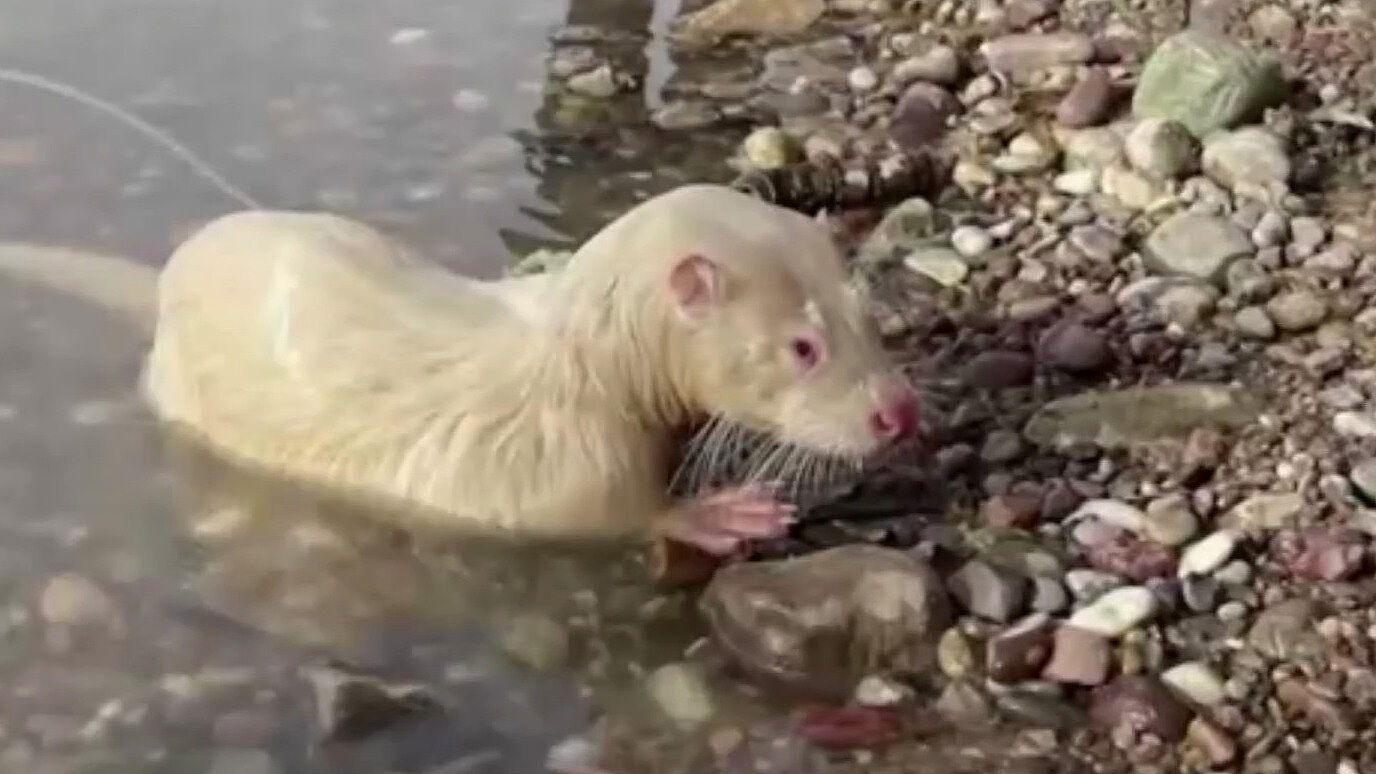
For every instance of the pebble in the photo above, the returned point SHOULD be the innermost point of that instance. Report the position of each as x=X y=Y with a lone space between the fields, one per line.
x=1086 y=584
x=1207 y=555
x=1232 y=612
x=685 y=116
x=1140 y=705
x=1113 y=512
x=1089 y=102
x=1026 y=154
x=971 y=241
x=1266 y=512
x=862 y=79
x=1218 y=748
x=72 y=600
x=681 y=693
x=1236 y=573
x=1159 y=147
x=1271 y=230
x=1020 y=652
x=536 y=641
x=942 y=265
x=1024 y=53
x=1254 y=322
x=1196 y=681
x=1250 y=156
x=769 y=147
x=1078 y=657
x=1011 y=511
x=1194 y=245
x=1097 y=243
x=998 y=369
x=1048 y=595
x=1170 y=520
x=879 y=691
x=1071 y=346
x=939 y=64
x=954 y=655
x=1297 y=310
x=1130 y=188
x=1355 y=424
x=1306 y=235
x=988 y=592
x=919 y=118
x=1117 y=611
x=1363 y=476
x=598 y=83
x=1078 y=182
x=1285 y=630
x=1200 y=593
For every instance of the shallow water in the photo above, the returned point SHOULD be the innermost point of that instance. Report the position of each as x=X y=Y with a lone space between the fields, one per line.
x=427 y=118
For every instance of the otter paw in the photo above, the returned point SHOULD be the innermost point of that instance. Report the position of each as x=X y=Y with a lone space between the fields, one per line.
x=721 y=522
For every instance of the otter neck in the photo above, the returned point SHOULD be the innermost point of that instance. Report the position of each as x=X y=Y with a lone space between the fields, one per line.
x=617 y=324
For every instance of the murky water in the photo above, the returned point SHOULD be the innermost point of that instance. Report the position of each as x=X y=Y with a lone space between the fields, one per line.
x=428 y=118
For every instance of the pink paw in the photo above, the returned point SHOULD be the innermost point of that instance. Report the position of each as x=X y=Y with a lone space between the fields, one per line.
x=721 y=522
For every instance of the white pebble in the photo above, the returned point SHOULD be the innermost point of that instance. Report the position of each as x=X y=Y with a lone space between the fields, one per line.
x=863 y=79
x=1196 y=681
x=1114 y=512
x=876 y=691
x=1077 y=182
x=1208 y=554
x=680 y=692
x=1116 y=611
x=971 y=241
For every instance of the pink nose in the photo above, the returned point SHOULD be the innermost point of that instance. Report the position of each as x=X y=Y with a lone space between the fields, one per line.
x=897 y=417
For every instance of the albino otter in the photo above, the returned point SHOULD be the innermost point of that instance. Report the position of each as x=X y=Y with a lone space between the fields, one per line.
x=315 y=347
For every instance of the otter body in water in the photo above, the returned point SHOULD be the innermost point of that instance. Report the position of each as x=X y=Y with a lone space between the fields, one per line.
x=313 y=346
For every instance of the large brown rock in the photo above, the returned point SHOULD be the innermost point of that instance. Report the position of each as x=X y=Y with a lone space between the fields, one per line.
x=819 y=623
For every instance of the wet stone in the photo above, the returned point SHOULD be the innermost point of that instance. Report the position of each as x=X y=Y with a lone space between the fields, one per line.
x=1251 y=156
x=1138 y=415
x=1194 y=245
x=997 y=369
x=769 y=618
x=1285 y=630
x=919 y=118
x=1159 y=147
x=988 y=592
x=1079 y=657
x=1011 y=511
x=1074 y=347
x=1116 y=611
x=1265 y=512
x=352 y=705
x=1195 y=681
x=681 y=694
x=1207 y=82
x=1021 y=54
x=1141 y=705
x=1297 y=310
x=1019 y=652
x=1089 y=102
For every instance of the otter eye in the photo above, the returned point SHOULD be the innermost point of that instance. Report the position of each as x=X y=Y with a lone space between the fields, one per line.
x=807 y=351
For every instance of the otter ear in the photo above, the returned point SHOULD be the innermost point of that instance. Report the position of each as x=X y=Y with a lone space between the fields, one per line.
x=695 y=285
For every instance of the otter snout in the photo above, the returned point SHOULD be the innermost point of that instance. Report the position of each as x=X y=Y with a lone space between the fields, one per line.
x=897 y=412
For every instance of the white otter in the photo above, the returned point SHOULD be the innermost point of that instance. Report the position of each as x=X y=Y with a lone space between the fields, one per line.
x=313 y=346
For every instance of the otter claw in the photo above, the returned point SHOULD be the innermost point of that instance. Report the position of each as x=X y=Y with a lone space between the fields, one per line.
x=720 y=523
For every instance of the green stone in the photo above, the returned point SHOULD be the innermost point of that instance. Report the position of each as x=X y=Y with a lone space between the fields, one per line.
x=1207 y=82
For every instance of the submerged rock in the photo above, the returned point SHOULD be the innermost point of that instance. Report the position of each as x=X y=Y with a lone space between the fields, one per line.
x=821 y=622
x=1142 y=705
x=750 y=17
x=351 y=706
x=1139 y=415
x=1207 y=82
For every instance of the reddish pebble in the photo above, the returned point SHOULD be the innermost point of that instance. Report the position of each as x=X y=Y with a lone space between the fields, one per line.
x=1017 y=511
x=847 y=728
x=1132 y=557
x=1321 y=553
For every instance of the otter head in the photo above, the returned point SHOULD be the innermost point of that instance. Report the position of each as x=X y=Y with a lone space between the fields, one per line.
x=776 y=339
